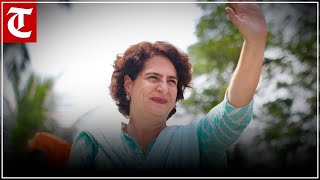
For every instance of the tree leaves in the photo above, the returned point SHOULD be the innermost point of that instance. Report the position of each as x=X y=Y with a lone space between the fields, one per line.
x=286 y=96
x=30 y=111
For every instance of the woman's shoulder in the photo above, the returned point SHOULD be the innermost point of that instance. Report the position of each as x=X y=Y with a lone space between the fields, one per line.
x=95 y=134
x=84 y=139
x=185 y=129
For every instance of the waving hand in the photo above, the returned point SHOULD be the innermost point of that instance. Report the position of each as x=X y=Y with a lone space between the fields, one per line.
x=248 y=18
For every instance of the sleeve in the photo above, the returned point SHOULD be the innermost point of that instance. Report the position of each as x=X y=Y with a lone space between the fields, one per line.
x=219 y=129
x=82 y=152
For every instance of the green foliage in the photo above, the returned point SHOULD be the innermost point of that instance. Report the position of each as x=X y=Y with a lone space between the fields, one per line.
x=30 y=97
x=215 y=54
x=219 y=43
x=30 y=112
x=287 y=89
x=291 y=121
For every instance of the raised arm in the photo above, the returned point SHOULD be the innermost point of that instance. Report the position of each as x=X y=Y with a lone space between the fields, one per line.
x=250 y=21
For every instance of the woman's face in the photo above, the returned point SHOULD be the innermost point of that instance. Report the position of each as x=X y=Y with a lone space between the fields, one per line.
x=155 y=89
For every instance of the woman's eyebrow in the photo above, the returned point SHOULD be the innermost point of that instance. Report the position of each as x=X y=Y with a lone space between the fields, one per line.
x=153 y=73
x=173 y=77
x=158 y=74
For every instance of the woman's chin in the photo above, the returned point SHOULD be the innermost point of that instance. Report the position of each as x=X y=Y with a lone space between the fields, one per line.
x=160 y=112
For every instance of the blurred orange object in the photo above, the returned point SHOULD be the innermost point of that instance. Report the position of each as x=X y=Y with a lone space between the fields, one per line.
x=55 y=148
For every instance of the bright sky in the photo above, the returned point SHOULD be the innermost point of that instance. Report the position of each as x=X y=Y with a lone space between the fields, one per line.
x=79 y=45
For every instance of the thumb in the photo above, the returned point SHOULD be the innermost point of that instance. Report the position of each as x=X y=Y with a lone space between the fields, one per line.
x=232 y=15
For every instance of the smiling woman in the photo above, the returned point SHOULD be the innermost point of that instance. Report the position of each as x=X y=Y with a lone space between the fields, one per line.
x=68 y=50
x=160 y=64
x=147 y=81
x=154 y=90
x=154 y=86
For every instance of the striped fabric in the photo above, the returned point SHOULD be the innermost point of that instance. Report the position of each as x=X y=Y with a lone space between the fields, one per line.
x=200 y=144
x=219 y=129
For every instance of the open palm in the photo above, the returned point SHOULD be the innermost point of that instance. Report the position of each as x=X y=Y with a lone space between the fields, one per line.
x=249 y=19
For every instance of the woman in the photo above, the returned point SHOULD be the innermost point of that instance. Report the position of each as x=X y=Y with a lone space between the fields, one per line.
x=147 y=82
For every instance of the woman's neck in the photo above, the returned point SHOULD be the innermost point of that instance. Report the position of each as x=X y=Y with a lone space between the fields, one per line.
x=144 y=131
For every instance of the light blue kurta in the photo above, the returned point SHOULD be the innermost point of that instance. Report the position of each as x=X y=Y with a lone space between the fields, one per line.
x=200 y=144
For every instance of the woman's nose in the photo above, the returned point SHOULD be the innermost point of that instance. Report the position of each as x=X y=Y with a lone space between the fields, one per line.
x=163 y=87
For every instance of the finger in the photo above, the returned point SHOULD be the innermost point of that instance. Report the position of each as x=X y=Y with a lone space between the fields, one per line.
x=232 y=15
x=234 y=3
x=240 y=1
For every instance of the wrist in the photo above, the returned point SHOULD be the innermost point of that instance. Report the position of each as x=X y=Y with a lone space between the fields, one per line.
x=255 y=42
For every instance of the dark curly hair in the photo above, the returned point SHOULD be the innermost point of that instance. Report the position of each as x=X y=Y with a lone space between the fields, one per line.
x=132 y=62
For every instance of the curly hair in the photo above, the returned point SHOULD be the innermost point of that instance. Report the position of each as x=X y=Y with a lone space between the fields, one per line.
x=132 y=62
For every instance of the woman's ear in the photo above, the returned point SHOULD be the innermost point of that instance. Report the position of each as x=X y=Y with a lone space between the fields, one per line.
x=127 y=84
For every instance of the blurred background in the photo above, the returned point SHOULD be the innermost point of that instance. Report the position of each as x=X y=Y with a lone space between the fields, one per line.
x=60 y=84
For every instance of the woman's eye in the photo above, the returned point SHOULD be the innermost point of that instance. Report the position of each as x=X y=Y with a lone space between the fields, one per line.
x=172 y=82
x=152 y=77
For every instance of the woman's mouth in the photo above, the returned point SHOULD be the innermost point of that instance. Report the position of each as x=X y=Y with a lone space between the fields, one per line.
x=159 y=100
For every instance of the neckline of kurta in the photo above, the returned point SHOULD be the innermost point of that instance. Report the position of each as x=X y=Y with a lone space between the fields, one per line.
x=132 y=145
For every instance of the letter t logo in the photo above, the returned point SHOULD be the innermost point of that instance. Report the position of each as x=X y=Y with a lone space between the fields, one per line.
x=20 y=13
x=19 y=22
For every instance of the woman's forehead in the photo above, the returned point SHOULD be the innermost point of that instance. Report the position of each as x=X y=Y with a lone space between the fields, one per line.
x=160 y=65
